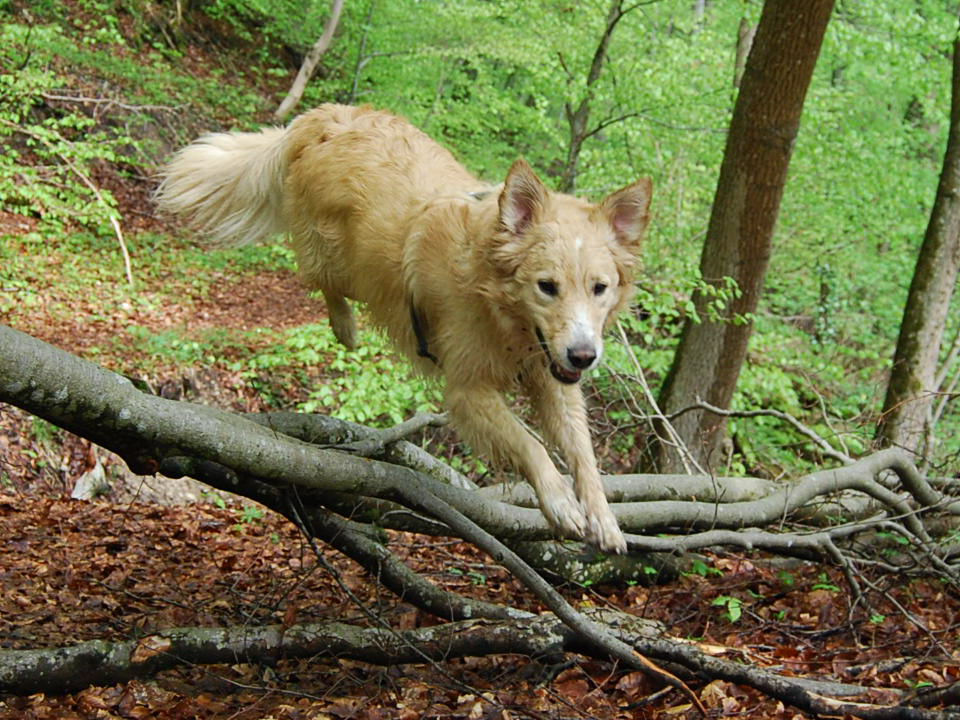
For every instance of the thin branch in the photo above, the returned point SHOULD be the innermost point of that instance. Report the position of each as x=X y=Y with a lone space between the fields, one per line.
x=310 y=62
x=90 y=185
x=110 y=102
x=690 y=464
x=566 y=70
x=804 y=430
x=375 y=444
x=952 y=356
x=604 y=124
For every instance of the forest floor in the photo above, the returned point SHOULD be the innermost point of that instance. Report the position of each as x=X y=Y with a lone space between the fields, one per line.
x=118 y=568
x=75 y=571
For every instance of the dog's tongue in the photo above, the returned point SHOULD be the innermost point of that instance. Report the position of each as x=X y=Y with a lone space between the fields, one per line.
x=564 y=375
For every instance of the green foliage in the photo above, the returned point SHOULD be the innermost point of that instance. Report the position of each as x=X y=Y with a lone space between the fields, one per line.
x=699 y=566
x=249 y=515
x=173 y=346
x=216 y=498
x=824 y=583
x=477 y=578
x=42 y=432
x=733 y=607
x=368 y=385
x=48 y=157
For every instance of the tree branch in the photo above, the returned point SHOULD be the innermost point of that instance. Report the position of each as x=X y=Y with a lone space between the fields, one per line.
x=310 y=61
x=270 y=459
x=105 y=663
x=808 y=432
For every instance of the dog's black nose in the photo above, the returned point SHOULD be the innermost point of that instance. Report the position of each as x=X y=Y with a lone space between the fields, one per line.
x=581 y=357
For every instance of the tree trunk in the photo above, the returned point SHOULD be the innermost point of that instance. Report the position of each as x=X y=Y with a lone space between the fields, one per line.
x=745 y=34
x=906 y=409
x=765 y=123
x=579 y=117
x=545 y=637
x=310 y=63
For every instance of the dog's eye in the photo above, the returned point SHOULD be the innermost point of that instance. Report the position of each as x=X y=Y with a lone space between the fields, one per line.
x=548 y=287
x=599 y=288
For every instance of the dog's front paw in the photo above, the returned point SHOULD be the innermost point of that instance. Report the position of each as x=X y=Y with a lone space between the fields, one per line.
x=604 y=532
x=563 y=512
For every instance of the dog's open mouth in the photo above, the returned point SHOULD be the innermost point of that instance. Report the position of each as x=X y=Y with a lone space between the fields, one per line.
x=563 y=375
x=568 y=377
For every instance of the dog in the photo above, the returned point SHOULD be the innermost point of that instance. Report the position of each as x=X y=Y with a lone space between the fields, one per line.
x=495 y=289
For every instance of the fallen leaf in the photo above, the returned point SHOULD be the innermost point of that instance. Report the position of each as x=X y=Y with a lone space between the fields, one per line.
x=150 y=646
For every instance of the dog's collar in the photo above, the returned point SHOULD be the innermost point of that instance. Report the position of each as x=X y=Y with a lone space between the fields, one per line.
x=419 y=324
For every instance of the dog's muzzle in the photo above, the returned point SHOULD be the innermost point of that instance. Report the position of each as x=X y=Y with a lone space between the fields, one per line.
x=560 y=373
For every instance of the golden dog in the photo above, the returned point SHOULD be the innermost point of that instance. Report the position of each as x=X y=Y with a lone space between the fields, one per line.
x=495 y=289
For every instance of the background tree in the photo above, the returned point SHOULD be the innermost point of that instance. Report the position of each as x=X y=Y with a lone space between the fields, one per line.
x=906 y=417
x=578 y=117
x=310 y=62
x=763 y=131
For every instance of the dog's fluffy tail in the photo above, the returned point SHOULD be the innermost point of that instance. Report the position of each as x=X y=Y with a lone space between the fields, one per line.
x=229 y=184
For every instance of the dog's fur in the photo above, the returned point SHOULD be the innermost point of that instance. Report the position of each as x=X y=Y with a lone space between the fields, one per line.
x=496 y=289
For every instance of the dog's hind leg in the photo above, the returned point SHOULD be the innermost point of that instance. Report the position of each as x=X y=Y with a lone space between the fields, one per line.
x=342 y=321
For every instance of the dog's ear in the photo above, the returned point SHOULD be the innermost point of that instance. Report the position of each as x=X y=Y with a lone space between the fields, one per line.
x=628 y=211
x=522 y=198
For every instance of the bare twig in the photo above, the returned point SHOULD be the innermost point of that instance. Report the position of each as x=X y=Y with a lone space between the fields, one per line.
x=808 y=432
x=90 y=185
x=110 y=102
x=690 y=464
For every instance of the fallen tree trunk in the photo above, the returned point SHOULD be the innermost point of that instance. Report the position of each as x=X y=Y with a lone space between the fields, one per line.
x=319 y=472
x=106 y=663
x=543 y=637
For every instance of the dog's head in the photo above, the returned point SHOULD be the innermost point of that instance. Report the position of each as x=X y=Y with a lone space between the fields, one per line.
x=563 y=266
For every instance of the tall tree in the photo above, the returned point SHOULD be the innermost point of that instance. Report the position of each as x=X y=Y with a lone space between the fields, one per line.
x=766 y=119
x=310 y=62
x=910 y=392
x=578 y=118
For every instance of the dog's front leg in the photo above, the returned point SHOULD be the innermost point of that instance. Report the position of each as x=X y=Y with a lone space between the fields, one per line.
x=483 y=419
x=563 y=417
